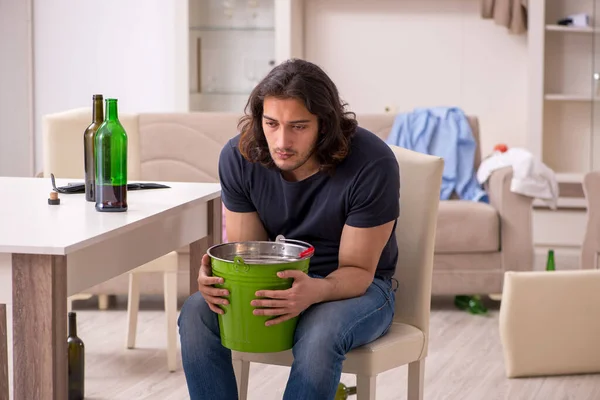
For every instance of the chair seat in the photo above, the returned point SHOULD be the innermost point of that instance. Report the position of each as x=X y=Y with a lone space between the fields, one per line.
x=401 y=345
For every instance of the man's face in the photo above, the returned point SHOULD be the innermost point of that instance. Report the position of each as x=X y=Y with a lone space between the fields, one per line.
x=291 y=132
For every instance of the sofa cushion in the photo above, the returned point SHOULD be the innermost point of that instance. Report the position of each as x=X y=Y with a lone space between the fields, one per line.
x=467 y=227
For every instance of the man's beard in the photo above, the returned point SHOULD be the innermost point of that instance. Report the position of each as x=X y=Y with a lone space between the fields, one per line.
x=300 y=163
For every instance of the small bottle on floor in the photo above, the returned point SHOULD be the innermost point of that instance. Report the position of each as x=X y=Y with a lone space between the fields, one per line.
x=550 y=264
x=473 y=304
x=76 y=361
x=344 y=391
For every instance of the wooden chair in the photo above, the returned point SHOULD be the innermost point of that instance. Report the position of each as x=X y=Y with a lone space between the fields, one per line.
x=407 y=340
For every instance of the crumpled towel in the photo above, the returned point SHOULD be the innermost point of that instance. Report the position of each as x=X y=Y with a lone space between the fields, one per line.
x=531 y=177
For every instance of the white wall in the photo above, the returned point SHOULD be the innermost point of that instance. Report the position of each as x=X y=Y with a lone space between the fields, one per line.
x=131 y=50
x=16 y=129
x=414 y=53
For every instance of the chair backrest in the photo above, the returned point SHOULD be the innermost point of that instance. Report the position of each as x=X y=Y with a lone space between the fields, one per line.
x=62 y=138
x=590 y=248
x=420 y=183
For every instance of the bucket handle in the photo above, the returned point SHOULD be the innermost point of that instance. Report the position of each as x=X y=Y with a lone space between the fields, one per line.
x=305 y=253
x=239 y=264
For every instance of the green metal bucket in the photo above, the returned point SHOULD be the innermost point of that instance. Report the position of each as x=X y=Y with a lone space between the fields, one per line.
x=247 y=267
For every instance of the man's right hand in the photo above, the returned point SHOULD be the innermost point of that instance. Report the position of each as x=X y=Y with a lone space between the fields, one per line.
x=211 y=294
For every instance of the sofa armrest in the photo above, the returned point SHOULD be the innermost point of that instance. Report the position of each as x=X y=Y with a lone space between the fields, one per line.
x=591 y=241
x=516 y=230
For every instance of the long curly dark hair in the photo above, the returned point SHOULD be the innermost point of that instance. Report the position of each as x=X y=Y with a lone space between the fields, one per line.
x=308 y=83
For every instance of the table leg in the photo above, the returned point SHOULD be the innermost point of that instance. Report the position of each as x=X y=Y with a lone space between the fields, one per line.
x=199 y=247
x=3 y=354
x=39 y=327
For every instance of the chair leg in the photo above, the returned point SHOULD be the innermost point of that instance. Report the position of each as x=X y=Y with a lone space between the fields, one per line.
x=79 y=296
x=242 y=373
x=103 y=302
x=416 y=378
x=133 y=306
x=170 y=294
x=365 y=387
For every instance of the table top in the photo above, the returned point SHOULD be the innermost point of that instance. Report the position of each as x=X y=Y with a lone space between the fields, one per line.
x=29 y=225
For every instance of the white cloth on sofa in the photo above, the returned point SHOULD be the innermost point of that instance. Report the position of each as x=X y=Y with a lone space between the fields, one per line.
x=531 y=177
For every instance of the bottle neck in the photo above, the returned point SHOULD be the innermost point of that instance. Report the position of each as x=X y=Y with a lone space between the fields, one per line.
x=98 y=111
x=72 y=324
x=111 y=110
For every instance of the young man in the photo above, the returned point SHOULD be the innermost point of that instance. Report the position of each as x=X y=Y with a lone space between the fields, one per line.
x=301 y=167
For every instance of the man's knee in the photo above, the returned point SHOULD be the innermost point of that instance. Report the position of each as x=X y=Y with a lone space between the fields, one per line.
x=325 y=337
x=193 y=312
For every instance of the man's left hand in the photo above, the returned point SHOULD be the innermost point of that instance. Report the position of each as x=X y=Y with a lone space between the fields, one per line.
x=289 y=303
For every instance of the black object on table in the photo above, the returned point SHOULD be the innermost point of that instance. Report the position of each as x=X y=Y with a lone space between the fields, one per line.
x=79 y=187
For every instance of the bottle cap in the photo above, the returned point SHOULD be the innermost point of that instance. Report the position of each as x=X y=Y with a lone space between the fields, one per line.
x=53 y=199
x=97 y=97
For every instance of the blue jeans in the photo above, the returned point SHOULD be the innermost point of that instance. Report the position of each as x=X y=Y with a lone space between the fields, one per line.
x=324 y=334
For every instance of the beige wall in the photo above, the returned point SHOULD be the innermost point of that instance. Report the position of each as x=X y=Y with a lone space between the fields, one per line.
x=412 y=53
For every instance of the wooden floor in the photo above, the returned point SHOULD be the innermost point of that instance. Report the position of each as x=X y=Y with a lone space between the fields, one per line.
x=464 y=363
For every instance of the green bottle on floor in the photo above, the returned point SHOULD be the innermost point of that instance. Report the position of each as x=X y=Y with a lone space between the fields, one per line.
x=344 y=391
x=476 y=305
x=472 y=304
x=550 y=265
x=75 y=361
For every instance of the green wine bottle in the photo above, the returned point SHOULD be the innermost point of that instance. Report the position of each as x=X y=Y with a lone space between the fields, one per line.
x=472 y=304
x=476 y=305
x=111 y=162
x=76 y=361
x=88 y=146
x=550 y=264
x=343 y=392
x=462 y=301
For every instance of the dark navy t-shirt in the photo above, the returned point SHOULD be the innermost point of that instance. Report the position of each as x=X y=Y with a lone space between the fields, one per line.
x=362 y=192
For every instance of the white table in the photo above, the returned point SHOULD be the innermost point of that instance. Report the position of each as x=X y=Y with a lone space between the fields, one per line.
x=61 y=250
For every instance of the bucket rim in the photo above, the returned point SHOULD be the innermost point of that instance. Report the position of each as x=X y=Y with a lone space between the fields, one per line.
x=309 y=248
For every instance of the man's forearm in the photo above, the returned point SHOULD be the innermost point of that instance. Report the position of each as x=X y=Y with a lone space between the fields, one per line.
x=344 y=283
